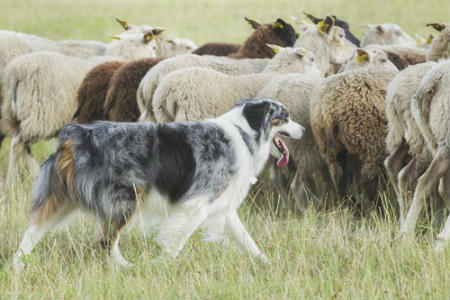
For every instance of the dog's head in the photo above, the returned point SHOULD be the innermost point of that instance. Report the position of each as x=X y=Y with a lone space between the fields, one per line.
x=270 y=121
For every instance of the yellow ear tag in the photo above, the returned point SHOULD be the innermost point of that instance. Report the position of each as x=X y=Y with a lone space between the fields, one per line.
x=148 y=37
x=115 y=37
x=419 y=41
x=277 y=25
x=322 y=27
x=361 y=59
x=429 y=39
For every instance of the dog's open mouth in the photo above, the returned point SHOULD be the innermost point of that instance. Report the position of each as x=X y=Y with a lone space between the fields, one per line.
x=283 y=159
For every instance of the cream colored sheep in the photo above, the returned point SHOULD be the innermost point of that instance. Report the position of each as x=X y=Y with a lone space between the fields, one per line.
x=198 y=93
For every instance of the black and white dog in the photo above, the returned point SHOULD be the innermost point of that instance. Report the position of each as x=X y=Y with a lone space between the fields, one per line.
x=174 y=176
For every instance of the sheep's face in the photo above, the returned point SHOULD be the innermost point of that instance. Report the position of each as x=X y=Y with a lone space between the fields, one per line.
x=284 y=32
x=176 y=46
x=387 y=34
x=341 y=49
x=369 y=57
x=292 y=60
x=135 y=46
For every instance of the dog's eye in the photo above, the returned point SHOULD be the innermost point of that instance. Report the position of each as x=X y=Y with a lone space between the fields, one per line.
x=276 y=122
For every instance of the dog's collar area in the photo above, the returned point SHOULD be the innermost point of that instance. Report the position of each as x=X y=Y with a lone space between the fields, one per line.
x=246 y=138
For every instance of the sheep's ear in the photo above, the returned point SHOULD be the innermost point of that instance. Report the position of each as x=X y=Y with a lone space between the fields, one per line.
x=429 y=39
x=437 y=26
x=275 y=48
x=170 y=41
x=380 y=29
x=279 y=23
x=362 y=56
x=297 y=35
x=115 y=37
x=301 y=52
x=124 y=24
x=325 y=25
x=312 y=18
x=157 y=31
x=253 y=23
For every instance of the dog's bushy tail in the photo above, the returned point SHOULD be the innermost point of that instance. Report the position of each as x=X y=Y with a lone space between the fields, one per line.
x=45 y=183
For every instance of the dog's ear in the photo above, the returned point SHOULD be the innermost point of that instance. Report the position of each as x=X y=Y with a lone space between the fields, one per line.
x=255 y=113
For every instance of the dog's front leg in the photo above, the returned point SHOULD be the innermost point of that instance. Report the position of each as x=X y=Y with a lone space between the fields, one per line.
x=242 y=237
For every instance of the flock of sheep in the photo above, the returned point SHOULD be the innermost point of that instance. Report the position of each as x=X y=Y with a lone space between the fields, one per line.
x=379 y=106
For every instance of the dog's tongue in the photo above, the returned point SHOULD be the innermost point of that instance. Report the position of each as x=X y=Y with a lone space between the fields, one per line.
x=284 y=158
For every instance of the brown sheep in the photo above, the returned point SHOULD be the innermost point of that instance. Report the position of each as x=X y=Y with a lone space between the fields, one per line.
x=349 y=123
x=92 y=92
x=278 y=33
x=120 y=104
x=217 y=49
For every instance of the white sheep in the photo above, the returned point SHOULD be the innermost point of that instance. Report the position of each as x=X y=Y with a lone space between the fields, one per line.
x=328 y=43
x=404 y=136
x=198 y=93
x=39 y=92
x=402 y=56
x=294 y=91
x=173 y=46
x=224 y=65
x=366 y=58
x=431 y=110
x=386 y=34
x=440 y=46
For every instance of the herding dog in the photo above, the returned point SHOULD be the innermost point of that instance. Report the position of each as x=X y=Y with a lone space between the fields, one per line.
x=179 y=175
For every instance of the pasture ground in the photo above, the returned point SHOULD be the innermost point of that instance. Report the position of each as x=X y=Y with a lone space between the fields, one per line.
x=322 y=254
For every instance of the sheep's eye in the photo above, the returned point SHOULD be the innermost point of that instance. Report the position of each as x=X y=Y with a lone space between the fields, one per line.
x=341 y=36
x=383 y=60
x=312 y=59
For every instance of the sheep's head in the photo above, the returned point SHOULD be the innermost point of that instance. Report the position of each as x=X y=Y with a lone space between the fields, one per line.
x=132 y=29
x=292 y=60
x=386 y=34
x=277 y=33
x=337 y=22
x=369 y=57
x=440 y=45
x=176 y=46
x=135 y=46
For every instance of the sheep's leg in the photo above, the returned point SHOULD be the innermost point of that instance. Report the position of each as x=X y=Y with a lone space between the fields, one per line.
x=394 y=163
x=444 y=190
x=19 y=157
x=438 y=167
x=281 y=186
x=439 y=204
x=336 y=173
x=2 y=137
x=405 y=178
x=368 y=183
x=302 y=190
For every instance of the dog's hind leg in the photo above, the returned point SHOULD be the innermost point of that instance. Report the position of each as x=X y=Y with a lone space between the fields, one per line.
x=176 y=229
x=44 y=218
x=242 y=237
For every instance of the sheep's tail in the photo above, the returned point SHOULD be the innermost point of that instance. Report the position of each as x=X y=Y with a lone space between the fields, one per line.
x=396 y=130
x=422 y=123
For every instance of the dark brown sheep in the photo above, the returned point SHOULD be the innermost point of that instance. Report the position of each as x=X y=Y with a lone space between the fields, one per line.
x=120 y=104
x=217 y=49
x=277 y=33
x=92 y=92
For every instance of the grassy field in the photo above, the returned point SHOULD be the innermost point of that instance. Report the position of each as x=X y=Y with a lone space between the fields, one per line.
x=321 y=254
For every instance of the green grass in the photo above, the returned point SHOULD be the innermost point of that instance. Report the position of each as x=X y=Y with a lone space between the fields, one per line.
x=322 y=254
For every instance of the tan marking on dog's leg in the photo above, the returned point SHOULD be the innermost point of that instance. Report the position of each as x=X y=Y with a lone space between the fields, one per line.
x=438 y=167
x=38 y=228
